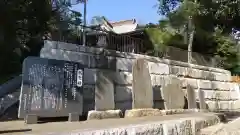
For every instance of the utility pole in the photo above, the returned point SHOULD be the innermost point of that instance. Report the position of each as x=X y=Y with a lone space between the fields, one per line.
x=190 y=41
x=191 y=37
x=84 y=22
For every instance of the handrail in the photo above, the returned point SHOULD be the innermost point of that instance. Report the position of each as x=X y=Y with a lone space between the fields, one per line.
x=10 y=86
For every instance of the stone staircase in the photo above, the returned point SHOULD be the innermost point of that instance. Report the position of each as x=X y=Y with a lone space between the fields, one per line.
x=229 y=128
x=177 y=124
x=9 y=98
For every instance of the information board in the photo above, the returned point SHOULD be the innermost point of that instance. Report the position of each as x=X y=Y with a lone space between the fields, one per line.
x=51 y=88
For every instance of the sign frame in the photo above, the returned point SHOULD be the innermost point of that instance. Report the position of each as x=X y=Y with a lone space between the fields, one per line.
x=38 y=86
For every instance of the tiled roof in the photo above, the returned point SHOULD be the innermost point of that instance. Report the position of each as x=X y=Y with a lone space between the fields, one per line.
x=123 y=22
x=119 y=27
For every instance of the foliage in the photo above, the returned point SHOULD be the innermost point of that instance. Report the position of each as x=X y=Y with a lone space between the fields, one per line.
x=206 y=16
x=162 y=37
x=159 y=38
x=24 y=24
x=97 y=20
x=167 y=6
x=226 y=49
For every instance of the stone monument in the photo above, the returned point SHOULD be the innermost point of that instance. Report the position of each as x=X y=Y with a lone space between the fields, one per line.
x=173 y=94
x=51 y=88
x=202 y=103
x=142 y=87
x=104 y=91
x=191 y=97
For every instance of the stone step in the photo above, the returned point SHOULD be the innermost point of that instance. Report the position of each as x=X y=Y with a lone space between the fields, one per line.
x=231 y=125
x=222 y=116
x=180 y=124
x=211 y=129
x=228 y=116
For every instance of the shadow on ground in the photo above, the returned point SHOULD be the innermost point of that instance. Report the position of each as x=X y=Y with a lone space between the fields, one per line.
x=15 y=131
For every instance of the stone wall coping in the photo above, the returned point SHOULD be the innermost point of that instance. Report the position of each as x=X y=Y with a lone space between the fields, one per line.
x=162 y=124
x=101 y=51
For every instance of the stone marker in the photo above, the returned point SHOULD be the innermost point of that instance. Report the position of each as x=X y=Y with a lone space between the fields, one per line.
x=142 y=87
x=191 y=97
x=173 y=94
x=202 y=103
x=50 y=88
x=104 y=91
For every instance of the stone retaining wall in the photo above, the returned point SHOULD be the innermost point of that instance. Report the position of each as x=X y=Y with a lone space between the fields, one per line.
x=108 y=77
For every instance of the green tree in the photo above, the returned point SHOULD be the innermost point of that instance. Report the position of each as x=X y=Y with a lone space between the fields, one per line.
x=197 y=21
x=23 y=25
x=97 y=20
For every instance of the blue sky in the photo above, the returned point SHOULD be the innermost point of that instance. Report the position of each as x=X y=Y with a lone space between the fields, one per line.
x=115 y=10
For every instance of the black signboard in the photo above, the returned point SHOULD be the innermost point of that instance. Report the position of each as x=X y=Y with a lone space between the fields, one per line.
x=51 y=88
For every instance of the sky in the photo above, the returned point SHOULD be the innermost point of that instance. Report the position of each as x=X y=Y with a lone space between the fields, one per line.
x=115 y=10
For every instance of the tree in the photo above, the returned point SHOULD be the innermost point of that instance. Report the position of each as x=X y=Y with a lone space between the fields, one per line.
x=204 y=17
x=97 y=20
x=184 y=15
x=23 y=25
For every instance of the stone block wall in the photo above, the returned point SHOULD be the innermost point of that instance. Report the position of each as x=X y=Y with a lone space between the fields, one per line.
x=108 y=77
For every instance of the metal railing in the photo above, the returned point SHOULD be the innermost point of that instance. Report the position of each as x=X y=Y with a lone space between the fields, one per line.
x=125 y=43
x=122 y=43
x=10 y=86
x=178 y=54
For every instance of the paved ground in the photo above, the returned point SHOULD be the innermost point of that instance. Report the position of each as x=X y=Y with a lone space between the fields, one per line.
x=18 y=127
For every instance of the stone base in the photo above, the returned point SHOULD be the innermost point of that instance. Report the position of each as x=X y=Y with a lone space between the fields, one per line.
x=156 y=112
x=203 y=110
x=230 y=128
x=72 y=117
x=178 y=124
x=212 y=130
x=178 y=111
x=31 y=119
x=184 y=126
x=109 y=114
x=142 y=112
